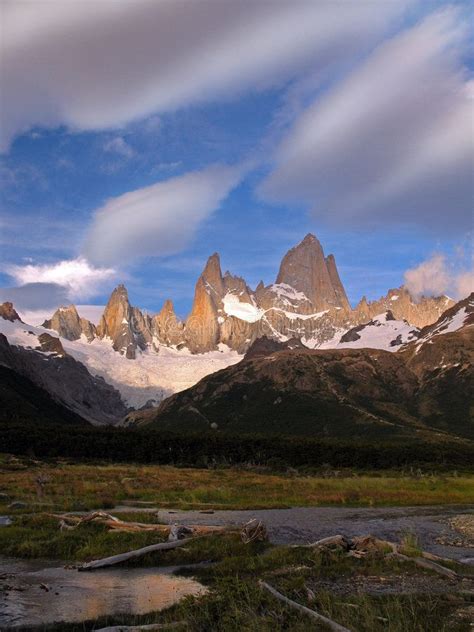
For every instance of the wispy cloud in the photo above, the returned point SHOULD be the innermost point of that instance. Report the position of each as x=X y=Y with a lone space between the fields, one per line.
x=393 y=141
x=118 y=145
x=160 y=219
x=100 y=65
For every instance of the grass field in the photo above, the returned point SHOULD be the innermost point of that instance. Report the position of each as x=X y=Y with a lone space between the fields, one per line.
x=329 y=582
x=236 y=602
x=77 y=487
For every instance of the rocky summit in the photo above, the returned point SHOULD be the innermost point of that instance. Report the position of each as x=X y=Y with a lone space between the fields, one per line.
x=67 y=322
x=307 y=302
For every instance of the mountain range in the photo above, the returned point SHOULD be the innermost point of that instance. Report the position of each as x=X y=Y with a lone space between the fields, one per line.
x=423 y=391
x=307 y=301
x=385 y=363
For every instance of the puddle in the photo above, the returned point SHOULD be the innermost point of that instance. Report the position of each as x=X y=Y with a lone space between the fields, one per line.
x=39 y=592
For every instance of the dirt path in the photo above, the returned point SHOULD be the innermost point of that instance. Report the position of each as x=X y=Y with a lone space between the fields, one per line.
x=307 y=524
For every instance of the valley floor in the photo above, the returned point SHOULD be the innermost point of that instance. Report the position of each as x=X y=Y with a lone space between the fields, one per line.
x=367 y=594
x=73 y=486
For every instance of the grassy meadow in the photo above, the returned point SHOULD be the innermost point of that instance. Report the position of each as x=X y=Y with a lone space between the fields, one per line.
x=72 y=486
x=327 y=581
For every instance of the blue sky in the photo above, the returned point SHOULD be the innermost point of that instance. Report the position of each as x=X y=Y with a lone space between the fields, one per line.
x=141 y=181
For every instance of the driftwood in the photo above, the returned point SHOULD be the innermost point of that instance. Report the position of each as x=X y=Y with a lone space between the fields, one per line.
x=297 y=606
x=333 y=540
x=361 y=546
x=427 y=564
x=72 y=521
x=131 y=555
x=160 y=546
x=253 y=531
x=179 y=532
x=138 y=628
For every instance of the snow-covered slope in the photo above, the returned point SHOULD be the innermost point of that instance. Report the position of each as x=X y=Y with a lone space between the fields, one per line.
x=382 y=332
x=162 y=370
x=151 y=376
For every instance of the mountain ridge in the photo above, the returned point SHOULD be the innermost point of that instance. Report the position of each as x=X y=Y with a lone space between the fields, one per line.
x=423 y=390
x=307 y=301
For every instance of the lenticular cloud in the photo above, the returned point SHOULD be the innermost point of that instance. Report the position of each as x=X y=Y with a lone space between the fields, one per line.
x=160 y=219
x=393 y=141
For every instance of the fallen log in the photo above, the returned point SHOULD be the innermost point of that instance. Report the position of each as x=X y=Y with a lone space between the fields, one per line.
x=332 y=540
x=72 y=521
x=427 y=564
x=336 y=627
x=138 y=628
x=131 y=555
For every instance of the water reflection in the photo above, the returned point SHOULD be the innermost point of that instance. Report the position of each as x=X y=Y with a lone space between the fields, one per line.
x=53 y=594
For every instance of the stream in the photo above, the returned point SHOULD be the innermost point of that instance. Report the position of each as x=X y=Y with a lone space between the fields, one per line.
x=39 y=592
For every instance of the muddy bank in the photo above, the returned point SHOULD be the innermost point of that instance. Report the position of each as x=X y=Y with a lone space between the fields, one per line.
x=36 y=592
x=301 y=525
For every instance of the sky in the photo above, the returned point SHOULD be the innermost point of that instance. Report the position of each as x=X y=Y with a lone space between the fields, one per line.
x=139 y=137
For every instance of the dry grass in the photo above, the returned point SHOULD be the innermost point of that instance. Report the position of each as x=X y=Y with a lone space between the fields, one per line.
x=73 y=486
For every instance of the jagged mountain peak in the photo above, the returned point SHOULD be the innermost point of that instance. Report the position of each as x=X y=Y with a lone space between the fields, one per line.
x=212 y=275
x=305 y=268
x=67 y=322
x=120 y=292
x=309 y=238
x=168 y=307
x=68 y=308
x=8 y=312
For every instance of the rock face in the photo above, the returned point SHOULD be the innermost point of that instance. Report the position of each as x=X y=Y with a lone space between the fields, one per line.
x=50 y=344
x=8 y=312
x=400 y=302
x=425 y=389
x=67 y=322
x=21 y=400
x=305 y=269
x=117 y=322
x=167 y=327
x=308 y=301
x=202 y=327
x=66 y=380
x=443 y=360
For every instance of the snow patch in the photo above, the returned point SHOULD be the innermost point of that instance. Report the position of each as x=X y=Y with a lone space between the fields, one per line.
x=244 y=311
x=152 y=375
x=378 y=334
x=283 y=290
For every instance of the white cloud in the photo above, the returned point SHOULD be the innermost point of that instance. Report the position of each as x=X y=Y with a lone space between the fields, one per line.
x=393 y=141
x=160 y=219
x=430 y=278
x=78 y=277
x=465 y=284
x=437 y=276
x=97 y=65
x=119 y=145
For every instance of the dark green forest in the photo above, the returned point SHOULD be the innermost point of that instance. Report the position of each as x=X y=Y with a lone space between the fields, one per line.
x=81 y=442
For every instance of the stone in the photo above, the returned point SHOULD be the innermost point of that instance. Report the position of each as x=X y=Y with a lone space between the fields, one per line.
x=305 y=269
x=67 y=322
x=167 y=327
x=8 y=312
